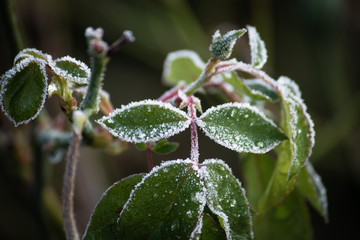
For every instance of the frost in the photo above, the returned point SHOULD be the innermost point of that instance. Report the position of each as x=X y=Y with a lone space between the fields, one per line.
x=257 y=46
x=232 y=132
x=166 y=122
x=11 y=73
x=129 y=35
x=290 y=86
x=80 y=73
x=31 y=52
x=222 y=46
x=257 y=86
x=97 y=33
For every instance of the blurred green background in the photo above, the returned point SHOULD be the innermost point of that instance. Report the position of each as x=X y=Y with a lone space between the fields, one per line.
x=314 y=42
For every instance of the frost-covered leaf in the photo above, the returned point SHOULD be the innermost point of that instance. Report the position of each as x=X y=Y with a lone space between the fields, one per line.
x=256 y=89
x=31 y=53
x=289 y=220
x=257 y=46
x=211 y=229
x=182 y=65
x=297 y=125
x=167 y=204
x=222 y=46
x=165 y=147
x=311 y=186
x=145 y=121
x=277 y=188
x=226 y=198
x=24 y=90
x=240 y=127
x=103 y=222
x=71 y=69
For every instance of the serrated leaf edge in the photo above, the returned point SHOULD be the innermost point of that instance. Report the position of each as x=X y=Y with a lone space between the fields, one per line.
x=10 y=73
x=145 y=102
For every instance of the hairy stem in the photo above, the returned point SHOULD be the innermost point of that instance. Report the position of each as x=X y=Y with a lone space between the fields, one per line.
x=72 y=159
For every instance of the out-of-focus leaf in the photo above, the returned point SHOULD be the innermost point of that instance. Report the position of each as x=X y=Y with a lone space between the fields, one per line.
x=165 y=147
x=103 y=222
x=311 y=186
x=167 y=204
x=289 y=220
x=211 y=229
x=145 y=121
x=24 y=90
x=141 y=146
x=241 y=127
x=226 y=198
x=297 y=125
x=183 y=65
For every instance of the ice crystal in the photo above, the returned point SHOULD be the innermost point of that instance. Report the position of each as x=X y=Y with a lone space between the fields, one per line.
x=257 y=46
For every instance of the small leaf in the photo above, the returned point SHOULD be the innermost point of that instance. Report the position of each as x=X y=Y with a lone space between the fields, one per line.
x=71 y=69
x=222 y=46
x=311 y=186
x=103 y=222
x=183 y=65
x=32 y=53
x=226 y=198
x=240 y=127
x=24 y=90
x=141 y=146
x=289 y=220
x=167 y=204
x=257 y=46
x=297 y=125
x=165 y=147
x=145 y=121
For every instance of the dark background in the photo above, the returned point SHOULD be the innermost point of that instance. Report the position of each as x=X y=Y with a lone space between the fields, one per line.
x=314 y=42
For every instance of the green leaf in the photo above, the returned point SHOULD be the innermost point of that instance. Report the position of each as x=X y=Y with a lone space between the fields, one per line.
x=290 y=220
x=145 y=121
x=240 y=127
x=24 y=90
x=256 y=89
x=165 y=147
x=71 y=69
x=141 y=146
x=183 y=65
x=297 y=125
x=226 y=198
x=257 y=46
x=211 y=229
x=311 y=186
x=257 y=171
x=32 y=53
x=278 y=189
x=222 y=46
x=167 y=204
x=103 y=222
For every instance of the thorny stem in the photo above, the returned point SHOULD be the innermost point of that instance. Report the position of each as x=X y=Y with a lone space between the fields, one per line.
x=194 y=136
x=149 y=155
x=72 y=159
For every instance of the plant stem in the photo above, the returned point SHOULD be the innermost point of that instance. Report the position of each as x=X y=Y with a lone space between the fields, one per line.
x=149 y=156
x=72 y=159
x=194 y=155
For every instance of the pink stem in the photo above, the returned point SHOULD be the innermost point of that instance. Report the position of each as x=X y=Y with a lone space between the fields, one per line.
x=149 y=155
x=194 y=136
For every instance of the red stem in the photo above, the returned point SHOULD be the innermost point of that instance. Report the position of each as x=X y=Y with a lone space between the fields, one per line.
x=149 y=156
x=194 y=135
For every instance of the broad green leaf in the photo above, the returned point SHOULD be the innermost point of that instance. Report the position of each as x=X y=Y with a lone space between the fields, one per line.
x=71 y=69
x=32 y=53
x=24 y=90
x=211 y=229
x=226 y=198
x=289 y=220
x=165 y=147
x=297 y=125
x=240 y=127
x=167 y=204
x=257 y=171
x=183 y=65
x=277 y=188
x=311 y=186
x=257 y=46
x=256 y=89
x=145 y=121
x=222 y=46
x=103 y=222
